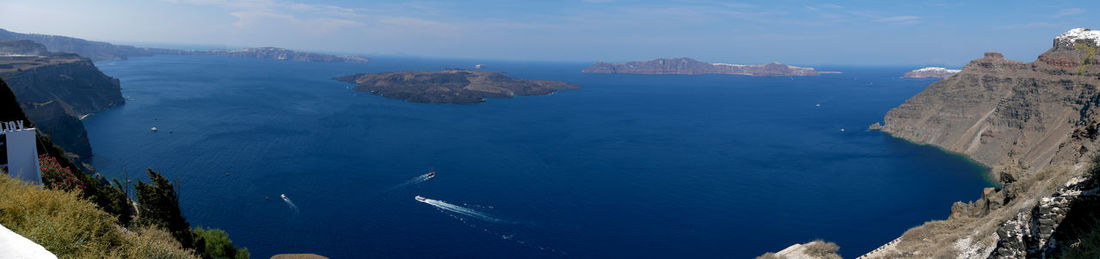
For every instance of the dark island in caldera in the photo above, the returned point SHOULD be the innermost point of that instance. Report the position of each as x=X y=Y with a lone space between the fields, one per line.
x=451 y=86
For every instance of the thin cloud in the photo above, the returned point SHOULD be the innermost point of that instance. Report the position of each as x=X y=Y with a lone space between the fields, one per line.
x=906 y=19
x=1068 y=12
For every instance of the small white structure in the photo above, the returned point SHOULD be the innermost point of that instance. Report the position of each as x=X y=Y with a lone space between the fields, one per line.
x=18 y=152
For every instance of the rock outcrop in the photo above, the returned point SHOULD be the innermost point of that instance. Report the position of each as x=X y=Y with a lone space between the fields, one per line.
x=1034 y=124
x=816 y=249
x=931 y=72
x=687 y=66
x=450 y=86
x=55 y=89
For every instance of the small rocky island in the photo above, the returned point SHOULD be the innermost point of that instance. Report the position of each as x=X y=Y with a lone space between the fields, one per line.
x=931 y=72
x=687 y=66
x=450 y=86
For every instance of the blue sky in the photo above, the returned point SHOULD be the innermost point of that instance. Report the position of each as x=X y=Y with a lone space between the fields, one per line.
x=796 y=32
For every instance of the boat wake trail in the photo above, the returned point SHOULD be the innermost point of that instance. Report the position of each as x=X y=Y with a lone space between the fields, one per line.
x=415 y=180
x=504 y=229
x=289 y=203
x=460 y=210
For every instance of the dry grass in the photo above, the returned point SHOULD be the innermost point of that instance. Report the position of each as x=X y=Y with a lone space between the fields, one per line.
x=71 y=227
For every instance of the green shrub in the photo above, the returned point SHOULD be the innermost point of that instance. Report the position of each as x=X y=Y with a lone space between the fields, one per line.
x=218 y=245
x=158 y=205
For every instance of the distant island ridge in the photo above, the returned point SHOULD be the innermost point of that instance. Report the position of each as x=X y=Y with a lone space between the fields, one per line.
x=688 y=66
x=96 y=50
x=453 y=86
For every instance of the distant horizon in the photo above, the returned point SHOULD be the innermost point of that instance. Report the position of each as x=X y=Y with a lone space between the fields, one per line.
x=938 y=33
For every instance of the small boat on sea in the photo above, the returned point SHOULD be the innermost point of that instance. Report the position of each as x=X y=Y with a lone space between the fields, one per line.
x=430 y=174
x=283 y=196
x=154 y=128
x=420 y=199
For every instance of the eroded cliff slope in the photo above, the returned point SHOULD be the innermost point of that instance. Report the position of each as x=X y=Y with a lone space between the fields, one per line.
x=1035 y=124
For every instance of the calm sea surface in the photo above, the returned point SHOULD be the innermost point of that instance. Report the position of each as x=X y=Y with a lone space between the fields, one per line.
x=630 y=166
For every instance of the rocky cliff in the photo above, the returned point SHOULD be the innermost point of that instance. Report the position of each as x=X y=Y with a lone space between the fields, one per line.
x=1034 y=124
x=55 y=89
x=450 y=86
x=687 y=66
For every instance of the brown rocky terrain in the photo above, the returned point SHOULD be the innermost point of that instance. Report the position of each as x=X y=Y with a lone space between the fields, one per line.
x=687 y=66
x=1034 y=124
x=450 y=86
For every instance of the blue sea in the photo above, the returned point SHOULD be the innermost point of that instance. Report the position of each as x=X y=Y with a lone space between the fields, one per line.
x=639 y=166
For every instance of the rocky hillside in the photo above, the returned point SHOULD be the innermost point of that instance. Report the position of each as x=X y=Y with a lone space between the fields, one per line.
x=95 y=50
x=687 y=66
x=21 y=48
x=1034 y=124
x=450 y=86
x=55 y=89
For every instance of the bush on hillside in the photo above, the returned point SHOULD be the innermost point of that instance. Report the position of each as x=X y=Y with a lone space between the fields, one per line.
x=55 y=176
x=71 y=227
x=218 y=245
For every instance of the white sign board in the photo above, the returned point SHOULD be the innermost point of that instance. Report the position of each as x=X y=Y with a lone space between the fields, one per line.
x=18 y=152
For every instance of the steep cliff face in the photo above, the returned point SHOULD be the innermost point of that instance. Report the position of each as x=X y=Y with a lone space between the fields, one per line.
x=55 y=89
x=1035 y=124
x=1006 y=113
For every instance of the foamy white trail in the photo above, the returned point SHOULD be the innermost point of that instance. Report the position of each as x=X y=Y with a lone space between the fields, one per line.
x=460 y=210
x=289 y=203
x=414 y=180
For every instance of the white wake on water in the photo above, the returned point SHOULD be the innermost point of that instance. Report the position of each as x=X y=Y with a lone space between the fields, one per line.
x=415 y=180
x=460 y=210
x=289 y=203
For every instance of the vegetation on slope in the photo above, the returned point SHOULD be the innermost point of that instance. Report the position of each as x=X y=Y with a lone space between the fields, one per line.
x=71 y=227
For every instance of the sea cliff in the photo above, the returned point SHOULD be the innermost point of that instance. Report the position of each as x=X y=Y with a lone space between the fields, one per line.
x=1034 y=124
x=56 y=89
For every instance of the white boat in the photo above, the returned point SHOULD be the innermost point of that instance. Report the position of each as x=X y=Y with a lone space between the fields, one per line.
x=154 y=128
x=283 y=195
x=420 y=199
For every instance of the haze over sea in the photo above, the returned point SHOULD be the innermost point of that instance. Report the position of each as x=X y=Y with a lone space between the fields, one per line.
x=630 y=166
